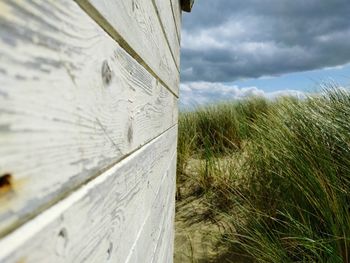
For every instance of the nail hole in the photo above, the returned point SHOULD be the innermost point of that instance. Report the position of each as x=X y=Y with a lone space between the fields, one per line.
x=5 y=183
x=106 y=73
x=63 y=233
x=5 y=180
x=62 y=242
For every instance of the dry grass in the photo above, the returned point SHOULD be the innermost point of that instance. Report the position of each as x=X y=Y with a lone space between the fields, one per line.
x=275 y=174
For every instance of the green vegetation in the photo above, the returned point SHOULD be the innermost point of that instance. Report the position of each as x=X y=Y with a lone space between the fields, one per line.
x=276 y=172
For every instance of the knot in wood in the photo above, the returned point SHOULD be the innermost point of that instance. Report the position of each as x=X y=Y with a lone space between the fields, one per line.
x=106 y=73
x=130 y=133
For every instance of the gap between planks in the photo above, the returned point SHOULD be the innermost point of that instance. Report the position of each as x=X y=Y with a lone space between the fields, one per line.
x=30 y=209
x=31 y=228
x=178 y=30
x=170 y=199
x=49 y=205
x=91 y=11
x=165 y=34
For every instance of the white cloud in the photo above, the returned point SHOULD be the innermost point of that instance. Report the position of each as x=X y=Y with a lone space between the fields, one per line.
x=201 y=93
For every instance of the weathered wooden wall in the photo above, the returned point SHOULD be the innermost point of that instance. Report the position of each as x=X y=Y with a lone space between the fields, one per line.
x=88 y=129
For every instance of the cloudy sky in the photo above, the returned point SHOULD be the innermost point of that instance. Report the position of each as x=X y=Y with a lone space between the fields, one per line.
x=234 y=48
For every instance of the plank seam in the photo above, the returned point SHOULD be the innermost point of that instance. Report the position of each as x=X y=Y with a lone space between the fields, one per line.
x=132 y=249
x=170 y=212
x=176 y=26
x=165 y=35
x=65 y=194
x=95 y=15
x=30 y=228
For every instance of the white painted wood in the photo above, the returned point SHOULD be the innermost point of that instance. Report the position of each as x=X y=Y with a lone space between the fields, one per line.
x=72 y=103
x=136 y=22
x=151 y=210
x=165 y=246
x=176 y=8
x=101 y=220
x=165 y=252
x=155 y=236
x=165 y=14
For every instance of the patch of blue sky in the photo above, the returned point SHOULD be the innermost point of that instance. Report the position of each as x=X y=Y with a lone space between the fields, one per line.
x=307 y=81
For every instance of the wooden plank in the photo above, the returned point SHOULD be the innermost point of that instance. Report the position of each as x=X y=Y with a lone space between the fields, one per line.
x=165 y=252
x=100 y=221
x=176 y=8
x=135 y=25
x=165 y=248
x=157 y=229
x=151 y=209
x=72 y=103
x=165 y=13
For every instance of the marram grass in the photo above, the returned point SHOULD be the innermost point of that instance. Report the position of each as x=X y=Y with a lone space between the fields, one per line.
x=278 y=171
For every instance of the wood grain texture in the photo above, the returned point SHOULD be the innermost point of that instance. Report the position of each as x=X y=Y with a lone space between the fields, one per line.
x=72 y=103
x=156 y=235
x=177 y=13
x=164 y=250
x=136 y=23
x=101 y=221
x=165 y=13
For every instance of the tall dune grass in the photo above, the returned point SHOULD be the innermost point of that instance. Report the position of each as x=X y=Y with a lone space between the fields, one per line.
x=278 y=171
x=217 y=129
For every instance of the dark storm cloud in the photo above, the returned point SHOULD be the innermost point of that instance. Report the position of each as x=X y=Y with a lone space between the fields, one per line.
x=224 y=40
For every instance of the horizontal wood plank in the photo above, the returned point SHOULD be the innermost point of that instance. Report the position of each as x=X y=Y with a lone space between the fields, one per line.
x=72 y=103
x=101 y=220
x=176 y=8
x=157 y=229
x=163 y=251
x=165 y=13
x=135 y=24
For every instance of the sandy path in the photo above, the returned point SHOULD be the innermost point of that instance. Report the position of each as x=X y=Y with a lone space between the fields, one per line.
x=198 y=231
